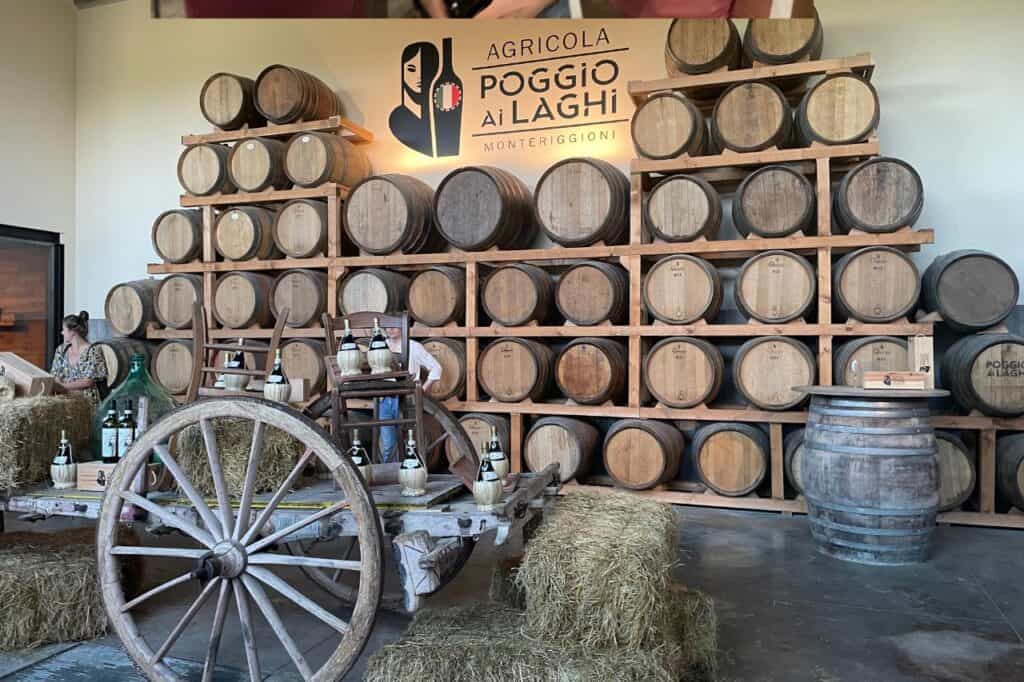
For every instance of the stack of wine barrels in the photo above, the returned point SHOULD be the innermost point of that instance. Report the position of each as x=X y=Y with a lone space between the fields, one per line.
x=593 y=292
x=389 y=213
x=257 y=164
x=879 y=195
x=775 y=287
x=774 y=201
x=515 y=294
x=178 y=235
x=303 y=293
x=668 y=125
x=117 y=355
x=1010 y=470
x=683 y=372
x=568 y=442
x=682 y=289
x=303 y=359
x=731 y=459
x=478 y=207
x=868 y=354
x=437 y=296
x=451 y=355
x=203 y=170
x=515 y=369
x=766 y=369
x=642 y=453
x=373 y=290
x=242 y=299
x=583 y=200
x=129 y=307
x=226 y=101
x=285 y=95
x=245 y=233
x=311 y=159
x=300 y=228
x=875 y=284
x=592 y=371
x=985 y=372
x=172 y=365
x=175 y=299
x=971 y=290
x=682 y=208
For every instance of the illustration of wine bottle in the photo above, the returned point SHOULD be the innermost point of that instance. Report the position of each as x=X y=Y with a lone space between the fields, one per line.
x=447 y=103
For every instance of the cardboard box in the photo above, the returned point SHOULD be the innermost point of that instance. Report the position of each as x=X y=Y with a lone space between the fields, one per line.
x=29 y=380
x=907 y=381
x=921 y=357
x=93 y=476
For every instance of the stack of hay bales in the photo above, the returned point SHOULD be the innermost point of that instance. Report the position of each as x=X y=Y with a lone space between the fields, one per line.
x=592 y=599
x=30 y=433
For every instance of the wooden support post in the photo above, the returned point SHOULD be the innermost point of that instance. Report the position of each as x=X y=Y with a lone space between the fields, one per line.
x=825 y=361
x=209 y=283
x=823 y=183
x=825 y=285
x=634 y=264
x=472 y=343
x=636 y=214
x=777 y=455
x=987 y=470
x=333 y=226
x=209 y=253
x=515 y=442
x=334 y=274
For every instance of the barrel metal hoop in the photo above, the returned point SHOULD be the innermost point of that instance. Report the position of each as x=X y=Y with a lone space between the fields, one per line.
x=871 y=414
x=854 y=403
x=879 y=532
x=810 y=444
x=867 y=511
x=863 y=546
x=880 y=430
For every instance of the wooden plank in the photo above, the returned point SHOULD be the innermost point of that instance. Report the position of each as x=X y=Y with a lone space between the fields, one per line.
x=559 y=331
x=281 y=195
x=739 y=248
x=539 y=408
x=724 y=414
x=240 y=265
x=698 y=499
x=353 y=132
x=790 y=329
x=987 y=471
x=333 y=226
x=777 y=455
x=28 y=379
x=825 y=377
x=825 y=286
x=515 y=441
x=769 y=156
x=823 y=185
x=209 y=250
x=636 y=214
x=979 y=519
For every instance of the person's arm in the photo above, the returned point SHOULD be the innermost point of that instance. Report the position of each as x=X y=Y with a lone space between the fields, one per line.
x=425 y=359
x=77 y=384
x=514 y=9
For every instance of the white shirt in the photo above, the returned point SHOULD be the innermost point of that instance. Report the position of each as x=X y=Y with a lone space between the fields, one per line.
x=420 y=357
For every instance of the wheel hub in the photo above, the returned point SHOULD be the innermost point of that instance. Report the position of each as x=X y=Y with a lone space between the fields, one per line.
x=228 y=559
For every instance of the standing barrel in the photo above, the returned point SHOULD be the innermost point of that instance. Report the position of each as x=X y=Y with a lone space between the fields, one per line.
x=749 y=117
x=766 y=369
x=871 y=476
x=226 y=101
x=178 y=235
x=303 y=359
x=515 y=294
x=879 y=195
x=782 y=41
x=696 y=46
x=172 y=365
x=451 y=355
x=683 y=371
x=868 y=354
x=1010 y=470
x=437 y=296
x=311 y=159
x=957 y=471
x=245 y=233
x=300 y=228
x=257 y=164
x=731 y=459
x=286 y=95
x=478 y=207
x=793 y=458
x=774 y=201
x=591 y=292
x=478 y=426
x=583 y=200
x=775 y=287
x=668 y=125
x=972 y=290
x=303 y=293
x=203 y=170
x=568 y=442
x=592 y=370
x=682 y=289
x=513 y=369
x=117 y=356
x=372 y=290
x=985 y=372
x=175 y=300
x=388 y=213
x=841 y=108
x=242 y=299
x=129 y=307
x=875 y=284
x=682 y=208
x=642 y=453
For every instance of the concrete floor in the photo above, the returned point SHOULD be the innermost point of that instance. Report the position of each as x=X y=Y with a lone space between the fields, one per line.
x=786 y=612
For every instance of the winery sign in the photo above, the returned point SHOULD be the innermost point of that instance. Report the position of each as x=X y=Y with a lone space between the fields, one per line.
x=555 y=89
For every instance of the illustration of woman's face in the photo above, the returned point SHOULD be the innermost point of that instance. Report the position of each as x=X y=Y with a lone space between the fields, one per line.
x=411 y=73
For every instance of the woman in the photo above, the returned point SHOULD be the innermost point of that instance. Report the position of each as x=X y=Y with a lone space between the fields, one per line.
x=410 y=121
x=78 y=366
x=419 y=359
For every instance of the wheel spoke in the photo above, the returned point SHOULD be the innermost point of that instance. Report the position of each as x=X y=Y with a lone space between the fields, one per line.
x=249 y=488
x=169 y=518
x=183 y=578
x=216 y=631
x=184 y=621
x=298 y=525
x=252 y=658
x=270 y=613
x=268 y=578
x=443 y=438
x=217 y=472
x=264 y=516
x=266 y=558
x=190 y=492
x=169 y=552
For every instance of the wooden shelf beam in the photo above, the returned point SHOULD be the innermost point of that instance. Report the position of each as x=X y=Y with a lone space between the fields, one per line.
x=329 y=189
x=683 y=164
x=354 y=132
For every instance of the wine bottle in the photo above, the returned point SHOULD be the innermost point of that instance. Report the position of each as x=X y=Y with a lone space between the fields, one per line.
x=447 y=103
x=412 y=458
x=64 y=454
x=487 y=472
x=109 y=436
x=348 y=342
x=126 y=429
x=377 y=340
x=277 y=375
x=357 y=453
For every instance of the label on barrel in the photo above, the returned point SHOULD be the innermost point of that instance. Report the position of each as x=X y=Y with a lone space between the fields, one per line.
x=1004 y=368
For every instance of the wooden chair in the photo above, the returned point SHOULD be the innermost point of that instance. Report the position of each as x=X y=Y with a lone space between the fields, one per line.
x=205 y=352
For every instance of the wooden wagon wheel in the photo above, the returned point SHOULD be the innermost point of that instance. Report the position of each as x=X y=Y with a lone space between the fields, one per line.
x=223 y=552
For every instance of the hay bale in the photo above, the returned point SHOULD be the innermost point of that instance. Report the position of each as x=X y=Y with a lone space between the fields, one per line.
x=696 y=625
x=234 y=439
x=30 y=432
x=503 y=589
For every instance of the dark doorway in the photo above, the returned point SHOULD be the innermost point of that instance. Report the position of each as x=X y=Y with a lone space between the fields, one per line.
x=31 y=293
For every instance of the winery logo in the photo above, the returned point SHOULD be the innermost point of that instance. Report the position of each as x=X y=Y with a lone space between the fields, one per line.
x=429 y=119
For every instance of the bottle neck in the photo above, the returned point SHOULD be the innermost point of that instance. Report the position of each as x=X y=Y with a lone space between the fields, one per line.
x=446 y=51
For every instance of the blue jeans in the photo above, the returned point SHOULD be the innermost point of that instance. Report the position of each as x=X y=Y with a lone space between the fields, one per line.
x=388 y=409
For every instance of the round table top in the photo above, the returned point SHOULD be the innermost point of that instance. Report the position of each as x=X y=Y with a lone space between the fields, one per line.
x=852 y=392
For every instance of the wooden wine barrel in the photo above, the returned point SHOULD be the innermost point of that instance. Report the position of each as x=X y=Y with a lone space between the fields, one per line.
x=682 y=289
x=245 y=233
x=478 y=207
x=985 y=372
x=776 y=287
x=682 y=208
x=1010 y=470
x=172 y=365
x=957 y=471
x=257 y=164
x=583 y=200
x=300 y=228
x=972 y=290
x=178 y=235
x=374 y=290
x=641 y=453
x=749 y=117
x=286 y=95
x=870 y=477
x=731 y=459
x=683 y=371
x=513 y=369
x=782 y=41
x=868 y=354
x=841 y=108
x=568 y=442
x=175 y=299
x=695 y=46
x=203 y=170
x=129 y=307
x=668 y=125
x=592 y=370
x=793 y=458
x=117 y=356
x=515 y=294
x=311 y=159
x=437 y=296
x=879 y=195
x=875 y=284
x=477 y=426
x=766 y=369
x=591 y=292
x=242 y=299
x=451 y=354
x=226 y=101
x=388 y=213
x=304 y=359
x=774 y=201
x=303 y=293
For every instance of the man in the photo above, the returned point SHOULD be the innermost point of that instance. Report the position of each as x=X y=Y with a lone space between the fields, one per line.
x=419 y=359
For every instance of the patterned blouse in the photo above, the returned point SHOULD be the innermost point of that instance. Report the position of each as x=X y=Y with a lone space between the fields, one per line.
x=91 y=365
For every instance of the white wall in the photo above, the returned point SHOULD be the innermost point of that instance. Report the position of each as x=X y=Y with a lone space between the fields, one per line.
x=37 y=119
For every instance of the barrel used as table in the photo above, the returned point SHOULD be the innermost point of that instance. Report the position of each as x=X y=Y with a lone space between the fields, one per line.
x=870 y=473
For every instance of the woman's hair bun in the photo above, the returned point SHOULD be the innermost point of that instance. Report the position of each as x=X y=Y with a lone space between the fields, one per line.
x=83 y=317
